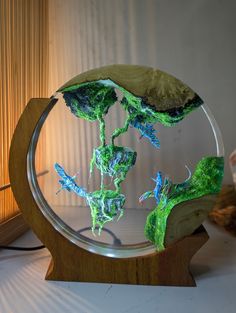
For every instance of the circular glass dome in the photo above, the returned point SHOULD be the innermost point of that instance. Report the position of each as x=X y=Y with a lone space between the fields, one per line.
x=72 y=150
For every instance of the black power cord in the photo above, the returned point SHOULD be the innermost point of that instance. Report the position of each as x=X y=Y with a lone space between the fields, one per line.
x=22 y=248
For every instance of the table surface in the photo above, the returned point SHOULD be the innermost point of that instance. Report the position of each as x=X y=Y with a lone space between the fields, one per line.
x=24 y=290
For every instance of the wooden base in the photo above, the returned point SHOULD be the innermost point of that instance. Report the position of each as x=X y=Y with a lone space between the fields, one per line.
x=168 y=268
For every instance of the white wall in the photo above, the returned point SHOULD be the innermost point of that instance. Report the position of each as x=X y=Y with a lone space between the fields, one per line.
x=193 y=40
x=196 y=41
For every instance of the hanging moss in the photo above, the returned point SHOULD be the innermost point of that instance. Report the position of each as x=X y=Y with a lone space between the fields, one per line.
x=114 y=161
x=104 y=206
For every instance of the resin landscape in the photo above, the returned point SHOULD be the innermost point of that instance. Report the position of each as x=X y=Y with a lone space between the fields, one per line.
x=149 y=97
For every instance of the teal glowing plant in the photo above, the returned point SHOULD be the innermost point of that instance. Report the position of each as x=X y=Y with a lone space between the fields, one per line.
x=148 y=97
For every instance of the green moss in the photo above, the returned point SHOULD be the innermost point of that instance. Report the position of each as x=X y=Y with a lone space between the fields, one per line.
x=118 y=131
x=102 y=129
x=206 y=179
x=114 y=161
x=104 y=206
x=92 y=99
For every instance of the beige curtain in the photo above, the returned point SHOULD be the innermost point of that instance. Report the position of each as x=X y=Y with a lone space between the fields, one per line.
x=23 y=75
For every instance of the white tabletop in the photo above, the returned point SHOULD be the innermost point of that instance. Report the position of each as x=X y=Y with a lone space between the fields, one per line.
x=24 y=290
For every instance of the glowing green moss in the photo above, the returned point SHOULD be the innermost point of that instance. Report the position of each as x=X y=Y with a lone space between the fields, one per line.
x=105 y=205
x=90 y=101
x=114 y=161
x=118 y=131
x=206 y=179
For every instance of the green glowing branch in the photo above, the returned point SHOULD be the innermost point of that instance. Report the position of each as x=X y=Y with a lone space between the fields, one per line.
x=92 y=163
x=105 y=205
x=119 y=180
x=102 y=128
x=118 y=131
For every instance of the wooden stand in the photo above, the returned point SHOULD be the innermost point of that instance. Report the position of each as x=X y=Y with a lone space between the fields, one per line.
x=167 y=268
x=71 y=263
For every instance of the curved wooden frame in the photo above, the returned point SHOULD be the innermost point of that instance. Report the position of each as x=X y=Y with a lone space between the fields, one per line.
x=72 y=263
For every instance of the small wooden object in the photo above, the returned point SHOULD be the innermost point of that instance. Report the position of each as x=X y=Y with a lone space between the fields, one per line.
x=224 y=212
x=72 y=263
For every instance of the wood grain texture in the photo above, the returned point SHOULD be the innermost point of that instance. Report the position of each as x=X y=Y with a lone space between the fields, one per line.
x=167 y=268
x=69 y=262
x=12 y=229
x=159 y=89
x=186 y=217
x=23 y=74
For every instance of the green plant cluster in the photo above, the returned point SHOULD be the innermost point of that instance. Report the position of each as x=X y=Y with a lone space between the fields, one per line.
x=105 y=205
x=114 y=161
x=206 y=179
